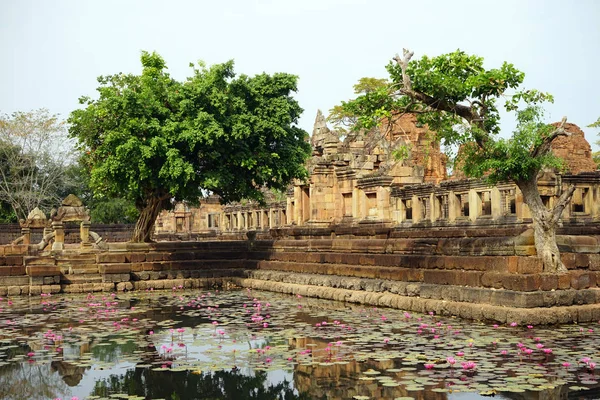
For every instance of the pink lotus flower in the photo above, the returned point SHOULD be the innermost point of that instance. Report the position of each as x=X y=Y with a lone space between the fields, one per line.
x=592 y=365
x=451 y=361
x=513 y=324
x=429 y=366
x=468 y=365
x=566 y=364
x=460 y=353
x=547 y=351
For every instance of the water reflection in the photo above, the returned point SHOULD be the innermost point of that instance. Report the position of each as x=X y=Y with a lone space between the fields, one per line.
x=245 y=345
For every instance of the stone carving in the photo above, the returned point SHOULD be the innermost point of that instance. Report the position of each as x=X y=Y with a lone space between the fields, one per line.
x=35 y=219
x=71 y=209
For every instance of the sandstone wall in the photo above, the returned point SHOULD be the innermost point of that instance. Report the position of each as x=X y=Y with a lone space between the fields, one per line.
x=473 y=272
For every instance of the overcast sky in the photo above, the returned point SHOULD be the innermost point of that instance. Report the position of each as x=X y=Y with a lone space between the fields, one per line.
x=52 y=51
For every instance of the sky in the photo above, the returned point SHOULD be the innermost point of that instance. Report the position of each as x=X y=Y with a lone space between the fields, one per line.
x=53 y=51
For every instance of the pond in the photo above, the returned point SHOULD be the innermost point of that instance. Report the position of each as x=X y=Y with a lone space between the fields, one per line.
x=243 y=344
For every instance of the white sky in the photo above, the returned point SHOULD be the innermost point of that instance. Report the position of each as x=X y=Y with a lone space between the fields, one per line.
x=52 y=51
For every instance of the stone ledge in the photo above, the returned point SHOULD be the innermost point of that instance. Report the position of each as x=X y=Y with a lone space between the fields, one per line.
x=502 y=314
x=501 y=297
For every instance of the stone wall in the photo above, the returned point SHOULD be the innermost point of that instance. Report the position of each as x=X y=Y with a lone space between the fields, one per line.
x=485 y=272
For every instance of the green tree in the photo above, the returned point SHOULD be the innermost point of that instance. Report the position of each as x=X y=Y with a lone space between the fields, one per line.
x=34 y=153
x=150 y=138
x=459 y=100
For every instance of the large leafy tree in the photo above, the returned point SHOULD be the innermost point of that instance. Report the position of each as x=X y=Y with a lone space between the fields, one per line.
x=459 y=99
x=153 y=139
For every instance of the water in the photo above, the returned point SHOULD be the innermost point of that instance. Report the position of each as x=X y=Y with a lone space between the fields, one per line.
x=257 y=345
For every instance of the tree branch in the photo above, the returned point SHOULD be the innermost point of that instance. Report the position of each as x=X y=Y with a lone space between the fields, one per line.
x=562 y=202
x=544 y=147
x=466 y=112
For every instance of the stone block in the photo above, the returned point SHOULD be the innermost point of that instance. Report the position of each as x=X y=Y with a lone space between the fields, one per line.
x=111 y=258
x=15 y=280
x=15 y=249
x=137 y=267
x=35 y=290
x=564 y=281
x=525 y=250
x=521 y=283
x=116 y=268
x=582 y=260
x=548 y=281
x=48 y=280
x=594 y=262
x=492 y=279
x=529 y=265
x=13 y=260
x=42 y=270
x=39 y=261
x=14 y=290
x=17 y=270
x=4 y=271
x=87 y=287
x=582 y=280
x=155 y=256
x=135 y=257
x=568 y=260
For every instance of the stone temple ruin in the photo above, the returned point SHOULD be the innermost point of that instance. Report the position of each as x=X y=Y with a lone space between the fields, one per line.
x=356 y=181
x=363 y=228
x=53 y=235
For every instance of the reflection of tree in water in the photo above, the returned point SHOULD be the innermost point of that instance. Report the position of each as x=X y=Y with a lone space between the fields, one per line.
x=23 y=380
x=110 y=351
x=186 y=385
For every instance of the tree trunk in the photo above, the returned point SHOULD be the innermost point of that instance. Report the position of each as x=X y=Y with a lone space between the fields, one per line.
x=144 y=226
x=545 y=223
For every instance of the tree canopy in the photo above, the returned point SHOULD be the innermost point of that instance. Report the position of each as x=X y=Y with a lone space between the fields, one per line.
x=151 y=138
x=459 y=99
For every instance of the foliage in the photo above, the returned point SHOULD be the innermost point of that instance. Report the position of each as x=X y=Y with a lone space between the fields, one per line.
x=345 y=116
x=458 y=99
x=103 y=209
x=509 y=159
x=596 y=155
x=151 y=138
x=34 y=152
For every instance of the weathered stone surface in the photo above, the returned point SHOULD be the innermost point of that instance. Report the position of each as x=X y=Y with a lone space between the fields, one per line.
x=111 y=258
x=42 y=270
x=574 y=150
x=116 y=268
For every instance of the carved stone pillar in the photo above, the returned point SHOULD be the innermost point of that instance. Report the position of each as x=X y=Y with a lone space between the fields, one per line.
x=26 y=233
x=59 y=235
x=84 y=232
